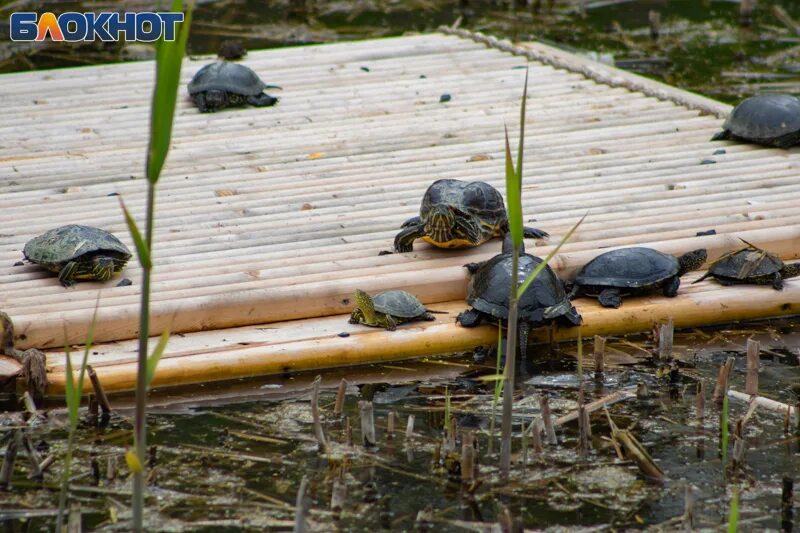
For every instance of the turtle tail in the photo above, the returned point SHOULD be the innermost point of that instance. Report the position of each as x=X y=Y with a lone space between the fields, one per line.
x=704 y=276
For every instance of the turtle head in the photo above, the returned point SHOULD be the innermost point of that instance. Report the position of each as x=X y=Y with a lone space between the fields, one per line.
x=215 y=99
x=692 y=260
x=790 y=271
x=102 y=267
x=508 y=244
x=446 y=224
x=365 y=304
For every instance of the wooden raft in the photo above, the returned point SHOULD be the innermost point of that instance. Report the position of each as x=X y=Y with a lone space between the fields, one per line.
x=269 y=218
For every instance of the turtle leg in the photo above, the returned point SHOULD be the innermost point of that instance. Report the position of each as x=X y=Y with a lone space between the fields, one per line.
x=427 y=316
x=533 y=233
x=404 y=241
x=670 y=288
x=610 y=298
x=262 y=100
x=356 y=317
x=723 y=135
x=67 y=274
x=469 y=318
x=389 y=323
x=777 y=281
x=413 y=221
x=199 y=100
x=576 y=292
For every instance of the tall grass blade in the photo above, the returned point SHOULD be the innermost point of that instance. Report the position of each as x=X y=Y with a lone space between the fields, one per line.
x=142 y=250
x=541 y=266
x=513 y=197
x=733 y=514
x=155 y=357
x=522 y=113
x=169 y=56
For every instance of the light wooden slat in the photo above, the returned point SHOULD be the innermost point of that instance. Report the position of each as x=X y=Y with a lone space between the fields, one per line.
x=632 y=160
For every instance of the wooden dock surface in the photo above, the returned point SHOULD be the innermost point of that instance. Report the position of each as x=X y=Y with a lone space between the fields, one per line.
x=271 y=217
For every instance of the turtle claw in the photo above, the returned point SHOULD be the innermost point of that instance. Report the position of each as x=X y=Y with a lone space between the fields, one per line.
x=610 y=298
x=533 y=233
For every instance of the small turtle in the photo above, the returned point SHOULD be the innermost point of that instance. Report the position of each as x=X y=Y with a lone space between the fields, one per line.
x=545 y=301
x=456 y=214
x=768 y=119
x=33 y=361
x=222 y=84
x=387 y=309
x=633 y=270
x=751 y=265
x=78 y=252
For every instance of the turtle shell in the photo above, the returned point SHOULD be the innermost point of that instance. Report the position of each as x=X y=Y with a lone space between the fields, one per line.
x=488 y=289
x=225 y=76
x=66 y=243
x=635 y=267
x=398 y=303
x=765 y=117
x=734 y=264
x=471 y=197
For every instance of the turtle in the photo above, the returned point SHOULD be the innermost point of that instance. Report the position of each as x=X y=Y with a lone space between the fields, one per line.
x=767 y=119
x=544 y=302
x=457 y=214
x=222 y=84
x=33 y=361
x=78 y=252
x=388 y=309
x=751 y=265
x=633 y=270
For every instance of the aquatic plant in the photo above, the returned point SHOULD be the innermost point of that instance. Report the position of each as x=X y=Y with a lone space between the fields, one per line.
x=72 y=394
x=169 y=56
x=514 y=208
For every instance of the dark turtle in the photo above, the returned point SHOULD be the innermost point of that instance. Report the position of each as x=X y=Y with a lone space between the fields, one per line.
x=387 y=309
x=544 y=302
x=33 y=361
x=751 y=265
x=768 y=119
x=455 y=214
x=634 y=270
x=222 y=84
x=78 y=252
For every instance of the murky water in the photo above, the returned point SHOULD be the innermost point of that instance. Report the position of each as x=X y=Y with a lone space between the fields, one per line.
x=230 y=457
x=700 y=46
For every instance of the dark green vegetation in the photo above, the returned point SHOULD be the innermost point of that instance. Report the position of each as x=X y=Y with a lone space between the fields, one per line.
x=700 y=44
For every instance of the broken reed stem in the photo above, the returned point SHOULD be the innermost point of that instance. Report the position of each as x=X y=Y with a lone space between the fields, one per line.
x=348 y=432
x=787 y=504
x=338 y=495
x=688 y=508
x=537 y=428
x=665 y=335
x=30 y=404
x=93 y=408
x=340 y=396
x=753 y=363
x=547 y=419
x=44 y=466
x=300 y=507
x=721 y=389
x=599 y=355
x=33 y=458
x=654 y=18
x=367 y=424
x=746 y=12
x=8 y=460
x=468 y=457
x=102 y=399
x=700 y=401
x=410 y=427
x=390 y=425
x=318 y=432
x=504 y=519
